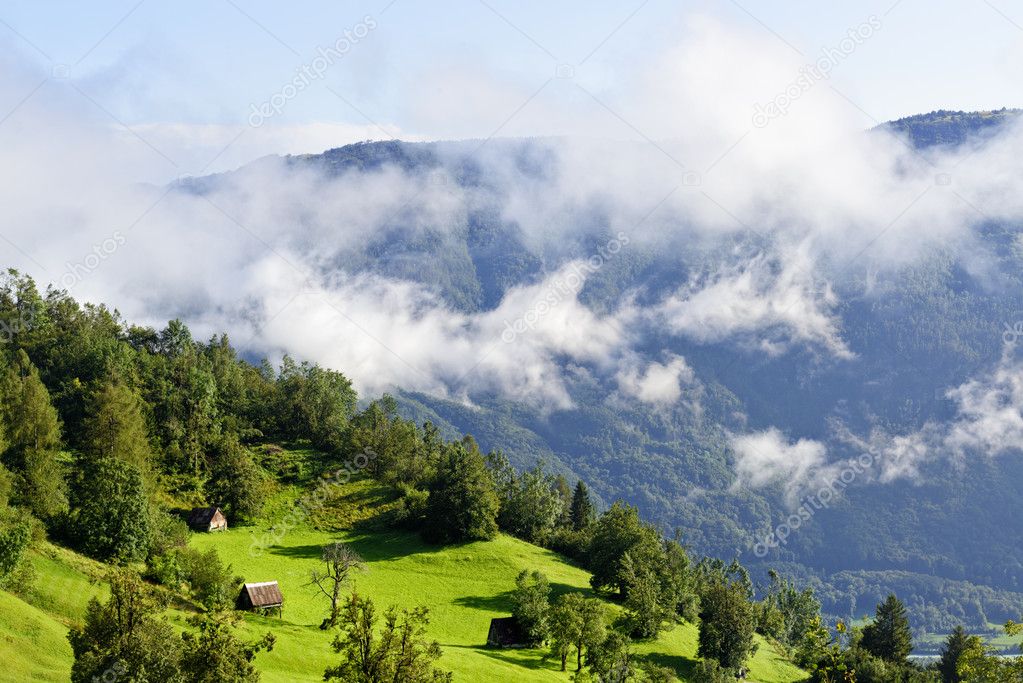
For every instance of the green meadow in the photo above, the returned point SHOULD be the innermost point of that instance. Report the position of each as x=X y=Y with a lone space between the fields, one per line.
x=463 y=586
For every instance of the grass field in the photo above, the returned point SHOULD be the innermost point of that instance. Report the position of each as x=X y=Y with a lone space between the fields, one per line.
x=33 y=628
x=463 y=586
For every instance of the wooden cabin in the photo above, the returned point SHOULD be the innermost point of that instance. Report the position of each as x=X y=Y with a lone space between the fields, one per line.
x=261 y=596
x=506 y=632
x=207 y=519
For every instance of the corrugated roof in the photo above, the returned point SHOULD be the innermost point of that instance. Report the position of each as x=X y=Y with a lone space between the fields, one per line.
x=264 y=594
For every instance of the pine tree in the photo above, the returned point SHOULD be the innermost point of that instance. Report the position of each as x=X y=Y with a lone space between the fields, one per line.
x=582 y=511
x=889 y=637
x=958 y=642
x=116 y=428
x=32 y=434
x=565 y=501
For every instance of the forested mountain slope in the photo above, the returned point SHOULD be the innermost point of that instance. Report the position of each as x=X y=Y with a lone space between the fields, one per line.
x=756 y=364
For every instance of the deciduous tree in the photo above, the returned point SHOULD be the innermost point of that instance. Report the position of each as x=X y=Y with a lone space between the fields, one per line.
x=339 y=562
x=397 y=653
x=463 y=504
x=726 y=624
x=531 y=605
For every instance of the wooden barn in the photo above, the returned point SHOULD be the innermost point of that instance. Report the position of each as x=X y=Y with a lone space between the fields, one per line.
x=505 y=632
x=207 y=519
x=261 y=596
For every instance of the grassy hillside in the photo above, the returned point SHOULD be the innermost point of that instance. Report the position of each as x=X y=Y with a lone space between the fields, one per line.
x=464 y=586
x=33 y=627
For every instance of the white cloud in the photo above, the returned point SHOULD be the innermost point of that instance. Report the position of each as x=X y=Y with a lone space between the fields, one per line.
x=768 y=457
x=775 y=305
x=384 y=332
x=990 y=412
x=272 y=256
x=658 y=384
x=988 y=422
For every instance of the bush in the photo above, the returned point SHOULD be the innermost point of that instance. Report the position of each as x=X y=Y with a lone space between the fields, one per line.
x=412 y=506
x=210 y=580
x=570 y=543
x=709 y=671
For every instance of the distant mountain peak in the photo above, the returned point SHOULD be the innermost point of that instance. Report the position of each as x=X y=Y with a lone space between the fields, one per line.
x=952 y=128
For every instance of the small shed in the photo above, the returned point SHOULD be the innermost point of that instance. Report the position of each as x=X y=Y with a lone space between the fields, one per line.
x=261 y=596
x=207 y=519
x=506 y=632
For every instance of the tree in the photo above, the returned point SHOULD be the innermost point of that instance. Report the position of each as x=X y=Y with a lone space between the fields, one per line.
x=400 y=652
x=564 y=501
x=236 y=483
x=658 y=674
x=14 y=540
x=576 y=621
x=31 y=432
x=565 y=623
x=212 y=582
x=726 y=624
x=582 y=510
x=339 y=561
x=787 y=614
x=889 y=637
x=957 y=643
x=610 y=661
x=316 y=404
x=215 y=655
x=463 y=504
x=647 y=604
x=530 y=504
x=618 y=532
x=125 y=636
x=395 y=443
x=531 y=605
x=187 y=403
x=111 y=518
x=115 y=427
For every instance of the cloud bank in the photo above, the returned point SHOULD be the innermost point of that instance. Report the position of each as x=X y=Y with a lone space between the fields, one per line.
x=779 y=216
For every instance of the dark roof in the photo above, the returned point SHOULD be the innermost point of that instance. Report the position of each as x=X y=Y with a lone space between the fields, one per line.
x=505 y=632
x=202 y=516
x=265 y=594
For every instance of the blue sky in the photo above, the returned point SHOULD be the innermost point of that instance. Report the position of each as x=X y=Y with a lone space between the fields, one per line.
x=463 y=69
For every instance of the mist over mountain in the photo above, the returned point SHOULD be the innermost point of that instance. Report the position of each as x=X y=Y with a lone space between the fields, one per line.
x=795 y=341
x=802 y=358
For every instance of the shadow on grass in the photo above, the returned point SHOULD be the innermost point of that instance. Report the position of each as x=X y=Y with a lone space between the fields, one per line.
x=375 y=547
x=502 y=602
x=683 y=666
x=527 y=658
x=309 y=551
